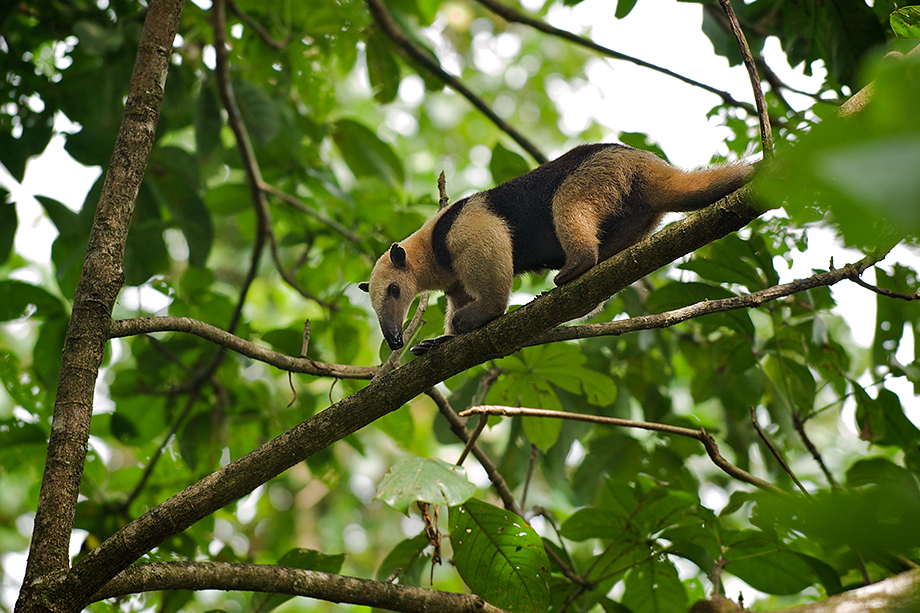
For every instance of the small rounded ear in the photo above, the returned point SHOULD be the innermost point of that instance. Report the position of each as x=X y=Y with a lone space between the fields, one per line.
x=364 y=287
x=397 y=255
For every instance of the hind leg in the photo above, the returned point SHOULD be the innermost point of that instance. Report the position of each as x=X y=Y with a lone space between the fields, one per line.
x=577 y=221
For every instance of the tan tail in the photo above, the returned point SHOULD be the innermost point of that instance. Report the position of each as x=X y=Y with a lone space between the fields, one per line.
x=679 y=190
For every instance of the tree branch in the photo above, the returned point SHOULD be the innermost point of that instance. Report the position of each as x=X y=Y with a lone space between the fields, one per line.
x=709 y=443
x=100 y=281
x=282 y=580
x=501 y=337
x=766 y=134
x=671 y=318
x=308 y=210
x=512 y=16
x=247 y=156
x=409 y=49
x=148 y=325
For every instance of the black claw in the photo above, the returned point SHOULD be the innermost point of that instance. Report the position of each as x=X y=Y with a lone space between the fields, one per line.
x=429 y=344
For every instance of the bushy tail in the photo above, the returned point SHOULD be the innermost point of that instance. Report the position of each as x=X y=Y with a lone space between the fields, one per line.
x=680 y=190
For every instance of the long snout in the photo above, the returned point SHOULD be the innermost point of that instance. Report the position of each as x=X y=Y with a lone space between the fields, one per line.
x=393 y=336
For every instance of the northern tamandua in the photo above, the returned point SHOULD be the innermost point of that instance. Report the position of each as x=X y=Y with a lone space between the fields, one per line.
x=568 y=214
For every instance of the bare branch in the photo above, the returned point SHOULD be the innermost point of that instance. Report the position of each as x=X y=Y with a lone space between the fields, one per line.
x=303 y=207
x=701 y=435
x=672 y=318
x=885 y=292
x=258 y=28
x=100 y=281
x=799 y=425
x=766 y=133
x=776 y=454
x=512 y=16
x=282 y=580
x=247 y=156
x=407 y=48
x=148 y=325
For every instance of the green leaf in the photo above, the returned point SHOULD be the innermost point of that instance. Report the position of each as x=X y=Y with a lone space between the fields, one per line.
x=407 y=556
x=14 y=433
x=500 y=557
x=8 y=223
x=382 y=67
x=624 y=7
x=506 y=164
x=19 y=385
x=592 y=522
x=859 y=173
x=654 y=587
x=173 y=179
x=304 y=559
x=528 y=380
x=426 y=479
x=365 y=154
x=207 y=121
x=765 y=566
x=20 y=299
x=882 y=420
x=905 y=22
x=258 y=111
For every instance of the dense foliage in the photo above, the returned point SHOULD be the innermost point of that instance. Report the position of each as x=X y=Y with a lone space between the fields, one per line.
x=350 y=122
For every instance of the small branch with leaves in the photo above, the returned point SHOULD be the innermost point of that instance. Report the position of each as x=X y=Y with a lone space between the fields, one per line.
x=704 y=437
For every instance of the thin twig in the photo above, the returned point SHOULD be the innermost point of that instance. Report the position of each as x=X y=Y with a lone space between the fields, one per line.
x=512 y=16
x=247 y=156
x=799 y=423
x=495 y=477
x=776 y=454
x=161 y=448
x=671 y=318
x=408 y=48
x=885 y=292
x=766 y=132
x=148 y=325
x=259 y=29
x=531 y=465
x=303 y=207
x=709 y=443
x=483 y=421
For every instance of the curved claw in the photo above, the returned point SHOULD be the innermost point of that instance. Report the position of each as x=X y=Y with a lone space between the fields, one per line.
x=429 y=344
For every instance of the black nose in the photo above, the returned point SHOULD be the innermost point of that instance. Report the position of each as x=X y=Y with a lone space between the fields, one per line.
x=394 y=340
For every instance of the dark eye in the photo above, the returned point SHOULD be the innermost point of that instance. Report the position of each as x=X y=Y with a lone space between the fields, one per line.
x=393 y=290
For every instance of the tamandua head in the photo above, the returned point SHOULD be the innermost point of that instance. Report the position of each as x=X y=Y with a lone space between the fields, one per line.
x=392 y=288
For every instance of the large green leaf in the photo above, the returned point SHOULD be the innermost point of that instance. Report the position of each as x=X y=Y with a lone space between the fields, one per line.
x=506 y=164
x=882 y=420
x=427 y=480
x=365 y=154
x=528 y=380
x=408 y=558
x=500 y=557
x=654 y=587
x=766 y=566
x=21 y=299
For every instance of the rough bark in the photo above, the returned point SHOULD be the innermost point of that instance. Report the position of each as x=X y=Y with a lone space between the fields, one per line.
x=100 y=282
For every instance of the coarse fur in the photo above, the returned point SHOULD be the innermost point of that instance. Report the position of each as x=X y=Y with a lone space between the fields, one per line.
x=568 y=214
